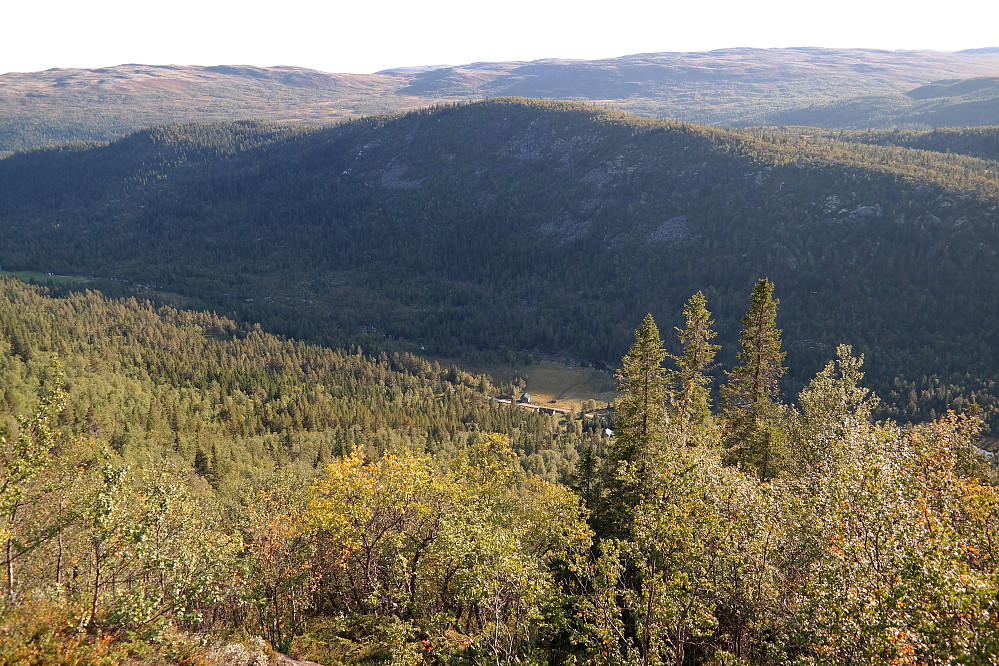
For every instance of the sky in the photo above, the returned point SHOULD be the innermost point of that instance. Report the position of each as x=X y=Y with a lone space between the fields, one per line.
x=364 y=36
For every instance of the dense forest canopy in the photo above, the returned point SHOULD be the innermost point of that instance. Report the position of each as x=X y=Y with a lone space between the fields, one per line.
x=177 y=489
x=485 y=230
x=173 y=383
x=980 y=142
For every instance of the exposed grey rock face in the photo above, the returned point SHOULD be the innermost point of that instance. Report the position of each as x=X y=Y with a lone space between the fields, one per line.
x=394 y=178
x=565 y=228
x=865 y=212
x=673 y=230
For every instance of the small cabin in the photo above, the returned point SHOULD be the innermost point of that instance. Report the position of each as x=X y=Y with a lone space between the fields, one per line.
x=526 y=398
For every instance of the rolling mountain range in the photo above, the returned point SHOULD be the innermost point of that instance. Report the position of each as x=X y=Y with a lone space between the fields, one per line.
x=488 y=229
x=839 y=88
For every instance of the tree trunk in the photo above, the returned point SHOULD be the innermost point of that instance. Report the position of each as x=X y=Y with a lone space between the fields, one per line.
x=92 y=624
x=10 y=555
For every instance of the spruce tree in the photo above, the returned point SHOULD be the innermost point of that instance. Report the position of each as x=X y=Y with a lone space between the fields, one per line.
x=754 y=434
x=640 y=430
x=690 y=393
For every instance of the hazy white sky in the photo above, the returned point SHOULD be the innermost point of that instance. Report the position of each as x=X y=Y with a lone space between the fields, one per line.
x=361 y=36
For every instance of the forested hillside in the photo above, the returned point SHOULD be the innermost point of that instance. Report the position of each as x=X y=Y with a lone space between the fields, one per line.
x=485 y=230
x=175 y=489
x=738 y=87
x=980 y=142
x=237 y=404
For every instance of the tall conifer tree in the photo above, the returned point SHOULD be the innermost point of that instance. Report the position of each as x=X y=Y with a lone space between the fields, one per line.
x=640 y=431
x=751 y=402
x=690 y=393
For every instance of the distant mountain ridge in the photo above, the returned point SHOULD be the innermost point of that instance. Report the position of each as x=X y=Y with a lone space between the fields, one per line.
x=738 y=87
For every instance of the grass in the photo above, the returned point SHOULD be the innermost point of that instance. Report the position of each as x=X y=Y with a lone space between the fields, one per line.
x=569 y=385
x=36 y=277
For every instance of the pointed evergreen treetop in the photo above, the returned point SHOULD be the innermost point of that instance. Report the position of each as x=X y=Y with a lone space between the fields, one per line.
x=755 y=434
x=641 y=408
x=755 y=380
x=640 y=429
x=690 y=393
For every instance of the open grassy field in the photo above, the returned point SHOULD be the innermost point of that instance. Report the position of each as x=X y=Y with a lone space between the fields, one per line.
x=35 y=277
x=569 y=385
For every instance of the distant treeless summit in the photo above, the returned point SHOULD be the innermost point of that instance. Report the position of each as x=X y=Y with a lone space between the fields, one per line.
x=840 y=88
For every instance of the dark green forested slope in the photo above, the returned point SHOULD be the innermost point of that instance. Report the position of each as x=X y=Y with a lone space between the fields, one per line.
x=980 y=142
x=238 y=404
x=515 y=224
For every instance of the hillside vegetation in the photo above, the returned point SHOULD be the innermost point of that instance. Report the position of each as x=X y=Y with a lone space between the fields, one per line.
x=237 y=404
x=175 y=489
x=486 y=230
